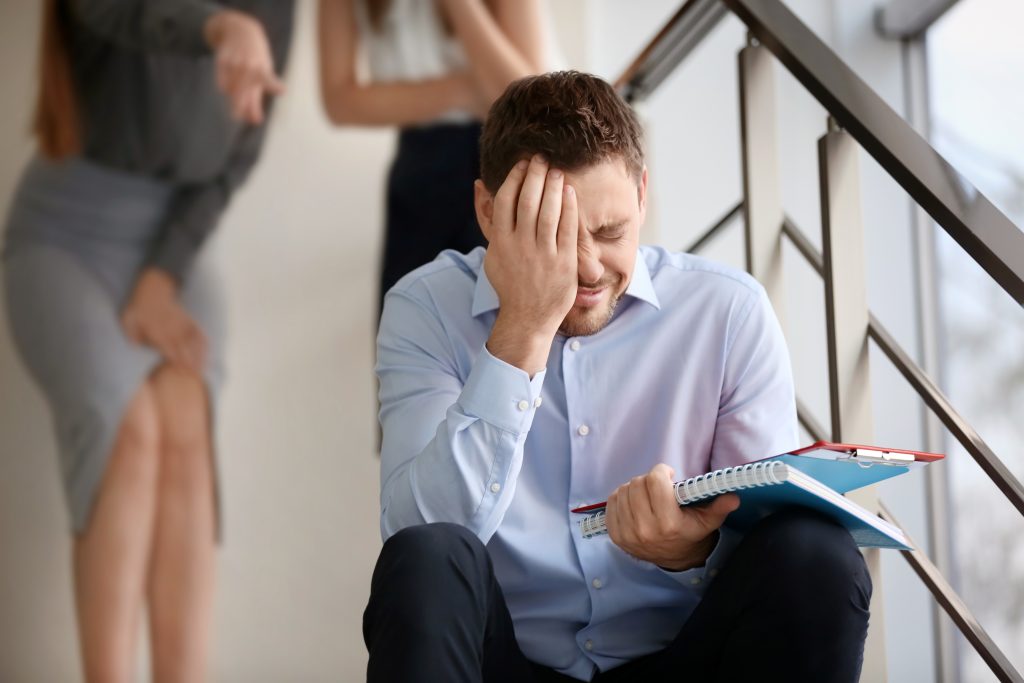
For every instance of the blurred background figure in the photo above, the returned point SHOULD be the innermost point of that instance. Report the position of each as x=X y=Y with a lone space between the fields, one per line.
x=149 y=115
x=434 y=69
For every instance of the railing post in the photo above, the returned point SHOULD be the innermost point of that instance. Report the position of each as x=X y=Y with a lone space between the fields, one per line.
x=846 y=315
x=762 y=204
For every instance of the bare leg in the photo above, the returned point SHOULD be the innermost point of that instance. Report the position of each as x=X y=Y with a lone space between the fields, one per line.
x=111 y=557
x=181 y=579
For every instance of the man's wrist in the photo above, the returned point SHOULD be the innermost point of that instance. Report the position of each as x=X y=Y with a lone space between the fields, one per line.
x=520 y=346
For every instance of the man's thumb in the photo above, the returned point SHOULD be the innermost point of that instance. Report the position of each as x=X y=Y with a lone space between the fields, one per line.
x=723 y=505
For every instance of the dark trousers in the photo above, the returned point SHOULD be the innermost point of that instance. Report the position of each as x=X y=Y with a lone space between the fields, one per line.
x=430 y=198
x=791 y=604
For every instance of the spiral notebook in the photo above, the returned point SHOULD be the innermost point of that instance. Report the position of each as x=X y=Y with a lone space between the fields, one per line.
x=763 y=488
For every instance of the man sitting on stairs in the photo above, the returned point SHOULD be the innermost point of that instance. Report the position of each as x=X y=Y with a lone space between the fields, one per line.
x=538 y=375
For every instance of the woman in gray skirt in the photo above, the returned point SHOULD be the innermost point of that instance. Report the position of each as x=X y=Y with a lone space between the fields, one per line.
x=149 y=115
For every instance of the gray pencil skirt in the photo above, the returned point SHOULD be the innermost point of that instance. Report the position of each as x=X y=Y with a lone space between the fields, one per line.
x=77 y=236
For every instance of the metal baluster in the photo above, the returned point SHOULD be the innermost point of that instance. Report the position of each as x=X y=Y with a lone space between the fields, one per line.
x=762 y=203
x=846 y=315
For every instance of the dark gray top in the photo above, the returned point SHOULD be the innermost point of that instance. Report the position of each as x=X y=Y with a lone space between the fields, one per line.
x=149 y=104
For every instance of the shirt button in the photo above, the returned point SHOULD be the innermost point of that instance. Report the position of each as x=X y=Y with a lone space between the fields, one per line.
x=537 y=401
x=523 y=405
x=574 y=345
x=583 y=430
x=596 y=583
x=589 y=645
x=695 y=581
x=713 y=573
x=495 y=487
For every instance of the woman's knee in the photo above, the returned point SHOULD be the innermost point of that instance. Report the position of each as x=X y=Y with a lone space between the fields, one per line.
x=137 y=444
x=184 y=415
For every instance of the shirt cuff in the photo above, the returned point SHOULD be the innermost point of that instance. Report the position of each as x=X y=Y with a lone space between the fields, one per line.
x=501 y=394
x=698 y=578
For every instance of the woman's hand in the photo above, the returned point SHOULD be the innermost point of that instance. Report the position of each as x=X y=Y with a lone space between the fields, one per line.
x=154 y=317
x=244 y=63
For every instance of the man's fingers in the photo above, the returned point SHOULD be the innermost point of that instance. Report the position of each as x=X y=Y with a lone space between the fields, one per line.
x=723 y=505
x=568 y=224
x=640 y=500
x=714 y=513
x=503 y=219
x=627 y=515
x=528 y=207
x=611 y=520
x=550 y=210
x=661 y=490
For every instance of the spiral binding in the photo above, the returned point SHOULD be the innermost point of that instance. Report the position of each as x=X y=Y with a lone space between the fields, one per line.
x=705 y=486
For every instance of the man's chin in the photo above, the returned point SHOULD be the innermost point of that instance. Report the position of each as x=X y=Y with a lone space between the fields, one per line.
x=583 y=322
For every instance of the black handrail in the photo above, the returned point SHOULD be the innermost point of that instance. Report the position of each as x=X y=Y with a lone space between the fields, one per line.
x=683 y=32
x=970 y=219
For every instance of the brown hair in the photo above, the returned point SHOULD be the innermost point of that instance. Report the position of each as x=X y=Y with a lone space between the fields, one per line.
x=574 y=119
x=55 y=122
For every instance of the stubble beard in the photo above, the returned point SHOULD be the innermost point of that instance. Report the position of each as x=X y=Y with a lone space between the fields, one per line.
x=589 y=321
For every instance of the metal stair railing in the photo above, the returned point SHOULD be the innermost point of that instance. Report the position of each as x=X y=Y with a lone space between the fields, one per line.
x=858 y=119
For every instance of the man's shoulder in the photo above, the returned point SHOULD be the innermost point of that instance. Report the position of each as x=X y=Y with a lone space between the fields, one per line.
x=673 y=269
x=450 y=277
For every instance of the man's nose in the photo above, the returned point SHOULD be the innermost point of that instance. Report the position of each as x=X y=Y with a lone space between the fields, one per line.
x=590 y=267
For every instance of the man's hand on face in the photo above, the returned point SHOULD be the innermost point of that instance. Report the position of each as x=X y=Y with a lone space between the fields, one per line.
x=531 y=262
x=645 y=520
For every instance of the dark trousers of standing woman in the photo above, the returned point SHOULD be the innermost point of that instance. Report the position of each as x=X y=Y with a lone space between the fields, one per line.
x=790 y=605
x=430 y=198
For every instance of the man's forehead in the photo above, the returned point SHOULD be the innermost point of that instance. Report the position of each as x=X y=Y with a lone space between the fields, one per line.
x=609 y=170
x=607 y=195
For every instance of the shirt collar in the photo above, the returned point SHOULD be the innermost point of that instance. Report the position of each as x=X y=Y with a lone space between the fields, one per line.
x=640 y=286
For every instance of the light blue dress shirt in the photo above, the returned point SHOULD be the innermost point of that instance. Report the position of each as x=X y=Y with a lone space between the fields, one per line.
x=692 y=371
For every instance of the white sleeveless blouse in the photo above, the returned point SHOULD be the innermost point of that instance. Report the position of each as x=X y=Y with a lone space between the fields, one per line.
x=411 y=45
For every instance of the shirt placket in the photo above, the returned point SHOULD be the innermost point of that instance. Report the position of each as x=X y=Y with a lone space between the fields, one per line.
x=582 y=433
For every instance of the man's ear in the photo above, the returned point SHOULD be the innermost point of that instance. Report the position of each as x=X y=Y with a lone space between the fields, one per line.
x=641 y=195
x=483 y=202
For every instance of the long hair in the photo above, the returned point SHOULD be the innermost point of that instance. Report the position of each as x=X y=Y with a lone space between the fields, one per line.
x=55 y=123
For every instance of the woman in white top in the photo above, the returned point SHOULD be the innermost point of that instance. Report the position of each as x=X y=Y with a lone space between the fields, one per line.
x=434 y=67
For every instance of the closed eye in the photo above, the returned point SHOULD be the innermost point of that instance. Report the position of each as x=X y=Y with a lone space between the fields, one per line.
x=611 y=231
